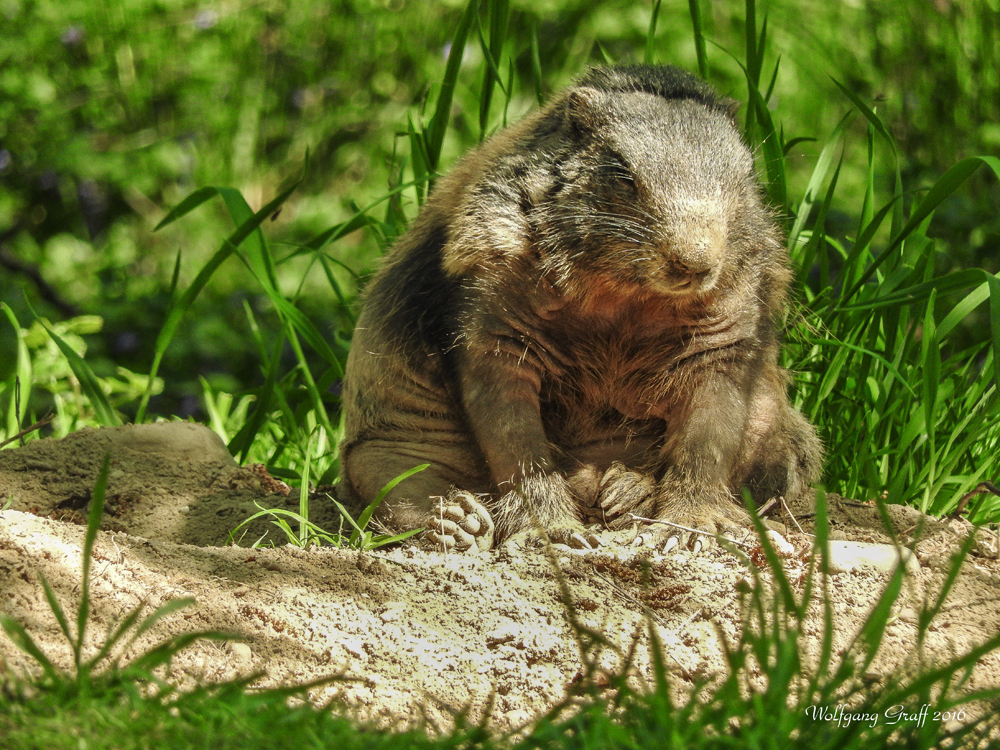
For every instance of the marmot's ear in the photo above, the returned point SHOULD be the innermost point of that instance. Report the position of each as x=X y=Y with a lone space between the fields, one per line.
x=584 y=110
x=732 y=107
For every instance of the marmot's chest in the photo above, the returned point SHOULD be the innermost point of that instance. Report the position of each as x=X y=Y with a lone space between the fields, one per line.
x=632 y=366
x=609 y=385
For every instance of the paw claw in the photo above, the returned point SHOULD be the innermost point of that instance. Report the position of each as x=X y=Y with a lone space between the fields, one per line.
x=623 y=491
x=585 y=540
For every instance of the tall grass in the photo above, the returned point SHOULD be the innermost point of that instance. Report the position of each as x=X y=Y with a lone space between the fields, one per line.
x=904 y=396
x=908 y=409
x=885 y=362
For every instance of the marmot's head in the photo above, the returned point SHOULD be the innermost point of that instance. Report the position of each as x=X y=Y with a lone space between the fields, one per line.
x=659 y=192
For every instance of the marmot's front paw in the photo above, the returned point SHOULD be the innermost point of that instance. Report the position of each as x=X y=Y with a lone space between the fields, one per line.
x=623 y=492
x=704 y=514
x=573 y=535
x=460 y=524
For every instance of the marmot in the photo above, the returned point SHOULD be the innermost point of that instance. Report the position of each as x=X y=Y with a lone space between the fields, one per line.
x=583 y=316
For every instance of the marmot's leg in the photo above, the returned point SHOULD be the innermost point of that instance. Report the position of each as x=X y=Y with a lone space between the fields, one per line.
x=785 y=460
x=777 y=453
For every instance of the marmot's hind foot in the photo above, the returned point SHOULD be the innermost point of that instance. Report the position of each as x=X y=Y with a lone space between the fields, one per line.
x=460 y=523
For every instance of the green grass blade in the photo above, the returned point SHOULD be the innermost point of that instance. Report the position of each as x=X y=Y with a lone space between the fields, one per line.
x=244 y=438
x=164 y=610
x=821 y=553
x=948 y=183
x=536 y=67
x=759 y=49
x=175 y=277
x=294 y=322
x=868 y=112
x=186 y=206
x=819 y=247
x=347 y=517
x=23 y=640
x=773 y=81
x=116 y=636
x=892 y=368
x=438 y=125
x=928 y=614
x=22 y=377
x=262 y=513
x=754 y=62
x=930 y=360
x=658 y=661
x=498 y=19
x=873 y=630
x=868 y=202
x=770 y=141
x=779 y=577
x=919 y=685
x=650 y=56
x=305 y=327
x=752 y=69
x=941 y=189
x=366 y=514
x=419 y=160
x=254 y=244
x=286 y=529
x=819 y=173
x=277 y=517
x=91 y=386
x=994 y=284
x=359 y=220
x=508 y=90
x=334 y=233
x=698 y=27
x=951 y=283
x=854 y=265
x=325 y=263
x=380 y=540
x=606 y=57
x=163 y=653
x=179 y=307
x=304 y=494
x=90 y=537
x=831 y=374
x=58 y=613
x=10 y=340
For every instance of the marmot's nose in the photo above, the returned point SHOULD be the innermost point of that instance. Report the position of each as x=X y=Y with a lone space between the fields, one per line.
x=697 y=269
x=684 y=277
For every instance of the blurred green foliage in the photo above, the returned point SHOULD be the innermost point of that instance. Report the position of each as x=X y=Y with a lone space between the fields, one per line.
x=111 y=113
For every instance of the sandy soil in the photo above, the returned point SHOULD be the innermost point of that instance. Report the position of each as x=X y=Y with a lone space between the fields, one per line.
x=422 y=633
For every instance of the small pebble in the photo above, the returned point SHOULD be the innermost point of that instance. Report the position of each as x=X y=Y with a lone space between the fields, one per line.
x=846 y=557
x=240 y=652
